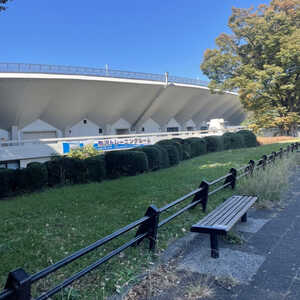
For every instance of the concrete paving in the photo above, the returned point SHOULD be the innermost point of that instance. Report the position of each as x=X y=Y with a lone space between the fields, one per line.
x=277 y=241
x=265 y=266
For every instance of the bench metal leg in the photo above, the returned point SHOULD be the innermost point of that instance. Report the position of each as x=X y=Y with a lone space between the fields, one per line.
x=244 y=218
x=214 y=245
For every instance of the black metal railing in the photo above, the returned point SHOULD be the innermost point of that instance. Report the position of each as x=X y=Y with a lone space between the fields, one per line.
x=19 y=283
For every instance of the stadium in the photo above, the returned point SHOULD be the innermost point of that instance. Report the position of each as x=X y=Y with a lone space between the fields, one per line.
x=58 y=102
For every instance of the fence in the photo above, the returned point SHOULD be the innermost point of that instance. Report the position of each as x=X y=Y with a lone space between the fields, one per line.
x=18 y=285
x=86 y=71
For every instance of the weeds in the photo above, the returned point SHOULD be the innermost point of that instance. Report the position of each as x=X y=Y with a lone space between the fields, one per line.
x=268 y=184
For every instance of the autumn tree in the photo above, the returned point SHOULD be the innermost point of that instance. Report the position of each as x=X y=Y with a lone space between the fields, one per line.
x=261 y=61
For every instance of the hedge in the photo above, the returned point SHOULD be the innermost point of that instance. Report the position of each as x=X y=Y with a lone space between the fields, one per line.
x=187 y=151
x=165 y=161
x=165 y=153
x=249 y=138
x=56 y=171
x=172 y=153
x=198 y=146
x=130 y=163
x=214 y=143
x=154 y=156
x=6 y=182
x=36 y=176
x=175 y=143
x=75 y=170
x=233 y=140
x=96 y=169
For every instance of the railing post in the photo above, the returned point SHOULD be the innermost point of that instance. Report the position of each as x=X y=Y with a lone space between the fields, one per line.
x=251 y=167
x=288 y=150
x=280 y=153
x=264 y=161
x=202 y=195
x=273 y=157
x=150 y=226
x=231 y=178
x=167 y=78
x=19 y=281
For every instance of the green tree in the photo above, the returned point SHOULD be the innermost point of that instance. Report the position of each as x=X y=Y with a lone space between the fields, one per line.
x=3 y=5
x=261 y=61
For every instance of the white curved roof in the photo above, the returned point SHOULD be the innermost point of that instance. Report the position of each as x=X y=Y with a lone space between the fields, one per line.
x=28 y=93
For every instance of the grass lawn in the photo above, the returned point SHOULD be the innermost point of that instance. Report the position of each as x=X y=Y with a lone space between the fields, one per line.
x=41 y=228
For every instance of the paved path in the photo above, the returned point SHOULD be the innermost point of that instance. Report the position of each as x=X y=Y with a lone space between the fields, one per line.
x=279 y=241
x=265 y=267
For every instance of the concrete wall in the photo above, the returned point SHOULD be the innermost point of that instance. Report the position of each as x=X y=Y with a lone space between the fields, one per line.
x=172 y=123
x=189 y=124
x=40 y=126
x=121 y=124
x=83 y=128
x=149 y=126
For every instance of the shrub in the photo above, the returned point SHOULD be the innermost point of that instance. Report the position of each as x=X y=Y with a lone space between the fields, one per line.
x=64 y=170
x=6 y=182
x=172 y=153
x=249 y=138
x=214 y=143
x=84 y=152
x=56 y=172
x=165 y=161
x=36 y=176
x=20 y=180
x=130 y=162
x=96 y=170
x=154 y=155
x=187 y=150
x=178 y=145
x=178 y=140
x=75 y=170
x=233 y=140
x=198 y=146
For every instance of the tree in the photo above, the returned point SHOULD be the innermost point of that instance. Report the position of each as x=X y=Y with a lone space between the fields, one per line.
x=3 y=5
x=261 y=61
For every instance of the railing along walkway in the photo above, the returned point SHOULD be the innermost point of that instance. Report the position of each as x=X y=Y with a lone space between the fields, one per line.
x=18 y=285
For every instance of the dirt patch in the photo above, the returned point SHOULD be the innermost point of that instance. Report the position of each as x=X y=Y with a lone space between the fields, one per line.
x=166 y=283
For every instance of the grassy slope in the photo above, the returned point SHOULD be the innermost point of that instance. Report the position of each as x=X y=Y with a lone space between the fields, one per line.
x=41 y=228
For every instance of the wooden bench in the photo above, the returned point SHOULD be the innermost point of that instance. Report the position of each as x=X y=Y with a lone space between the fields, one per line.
x=223 y=218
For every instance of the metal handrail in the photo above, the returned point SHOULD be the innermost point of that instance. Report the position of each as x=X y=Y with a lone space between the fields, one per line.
x=99 y=72
x=148 y=226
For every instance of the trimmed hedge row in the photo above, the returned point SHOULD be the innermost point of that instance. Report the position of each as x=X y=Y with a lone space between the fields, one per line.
x=58 y=171
x=165 y=153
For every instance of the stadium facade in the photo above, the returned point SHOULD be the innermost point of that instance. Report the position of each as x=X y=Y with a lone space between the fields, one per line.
x=42 y=101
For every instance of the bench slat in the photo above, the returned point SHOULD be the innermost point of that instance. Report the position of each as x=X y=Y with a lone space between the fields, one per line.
x=219 y=210
x=226 y=215
x=243 y=211
x=235 y=210
x=228 y=211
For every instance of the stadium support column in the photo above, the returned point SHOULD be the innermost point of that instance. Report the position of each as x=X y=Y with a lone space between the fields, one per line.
x=14 y=133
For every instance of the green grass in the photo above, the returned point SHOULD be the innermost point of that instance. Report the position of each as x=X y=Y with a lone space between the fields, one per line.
x=41 y=228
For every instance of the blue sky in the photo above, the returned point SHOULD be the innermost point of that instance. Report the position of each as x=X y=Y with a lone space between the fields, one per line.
x=137 y=35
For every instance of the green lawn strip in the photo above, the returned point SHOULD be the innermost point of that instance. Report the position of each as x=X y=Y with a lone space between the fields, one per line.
x=41 y=228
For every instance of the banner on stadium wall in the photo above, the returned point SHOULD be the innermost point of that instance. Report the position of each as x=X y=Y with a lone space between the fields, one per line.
x=110 y=144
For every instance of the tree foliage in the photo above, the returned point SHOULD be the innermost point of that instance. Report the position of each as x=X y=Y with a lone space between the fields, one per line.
x=261 y=60
x=3 y=5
